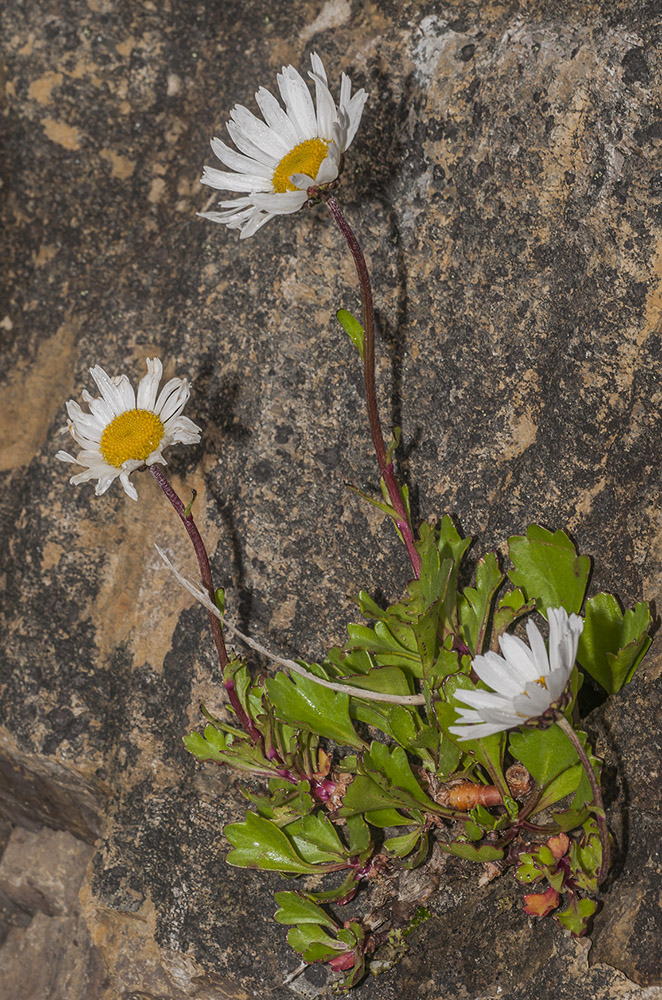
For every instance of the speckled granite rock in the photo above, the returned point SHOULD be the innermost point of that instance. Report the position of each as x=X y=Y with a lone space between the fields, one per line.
x=506 y=184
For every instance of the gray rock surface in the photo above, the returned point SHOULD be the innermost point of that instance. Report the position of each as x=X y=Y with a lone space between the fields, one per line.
x=47 y=952
x=506 y=184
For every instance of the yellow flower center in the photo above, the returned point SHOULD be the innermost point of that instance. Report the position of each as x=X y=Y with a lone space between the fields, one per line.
x=306 y=158
x=133 y=434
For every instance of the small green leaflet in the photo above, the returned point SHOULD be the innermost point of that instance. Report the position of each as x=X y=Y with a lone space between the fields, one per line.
x=471 y=853
x=576 y=915
x=352 y=328
x=313 y=943
x=548 y=569
x=612 y=643
x=258 y=843
x=475 y=603
x=321 y=711
x=294 y=909
x=364 y=796
x=389 y=767
x=315 y=839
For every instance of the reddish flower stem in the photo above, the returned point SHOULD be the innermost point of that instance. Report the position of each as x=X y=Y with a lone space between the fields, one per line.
x=208 y=582
x=385 y=466
x=603 y=829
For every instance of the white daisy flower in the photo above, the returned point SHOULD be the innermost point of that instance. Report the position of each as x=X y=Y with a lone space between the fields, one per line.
x=124 y=430
x=525 y=682
x=281 y=157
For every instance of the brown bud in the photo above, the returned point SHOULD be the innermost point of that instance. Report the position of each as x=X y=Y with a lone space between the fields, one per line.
x=465 y=795
x=519 y=781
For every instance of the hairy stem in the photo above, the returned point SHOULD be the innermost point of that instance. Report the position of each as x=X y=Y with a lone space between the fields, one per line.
x=563 y=723
x=208 y=582
x=385 y=466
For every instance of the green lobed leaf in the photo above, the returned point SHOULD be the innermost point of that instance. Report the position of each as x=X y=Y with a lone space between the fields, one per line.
x=405 y=725
x=612 y=644
x=358 y=833
x=207 y=747
x=472 y=853
x=285 y=803
x=386 y=680
x=528 y=872
x=315 y=839
x=586 y=857
x=475 y=603
x=551 y=760
x=394 y=618
x=545 y=753
x=449 y=750
x=365 y=796
x=388 y=766
x=432 y=626
x=404 y=844
x=294 y=909
x=548 y=569
x=366 y=711
x=352 y=328
x=509 y=608
x=570 y=819
x=259 y=843
x=313 y=943
x=383 y=818
x=558 y=788
x=436 y=551
x=576 y=915
x=387 y=644
x=301 y=701
x=354 y=936
x=473 y=831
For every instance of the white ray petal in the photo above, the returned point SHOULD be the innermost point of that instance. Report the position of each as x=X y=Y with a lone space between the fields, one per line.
x=149 y=384
x=237 y=161
x=494 y=671
x=243 y=143
x=281 y=204
x=519 y=657
x=223 y=181
x=108 y=390
x=538 y=649
x=264 y=137
x=355 y=113
x=326 y=107
x=275 y=117
x=252 y=226
x=298 y=102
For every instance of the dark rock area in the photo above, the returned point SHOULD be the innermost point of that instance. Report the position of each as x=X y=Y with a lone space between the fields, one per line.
x=506 y=183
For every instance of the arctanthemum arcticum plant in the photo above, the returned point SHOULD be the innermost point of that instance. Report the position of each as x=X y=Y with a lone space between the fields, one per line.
x=414 y=733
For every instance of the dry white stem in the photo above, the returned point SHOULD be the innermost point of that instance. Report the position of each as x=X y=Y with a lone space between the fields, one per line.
x=295 y=975
x=203 y=598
